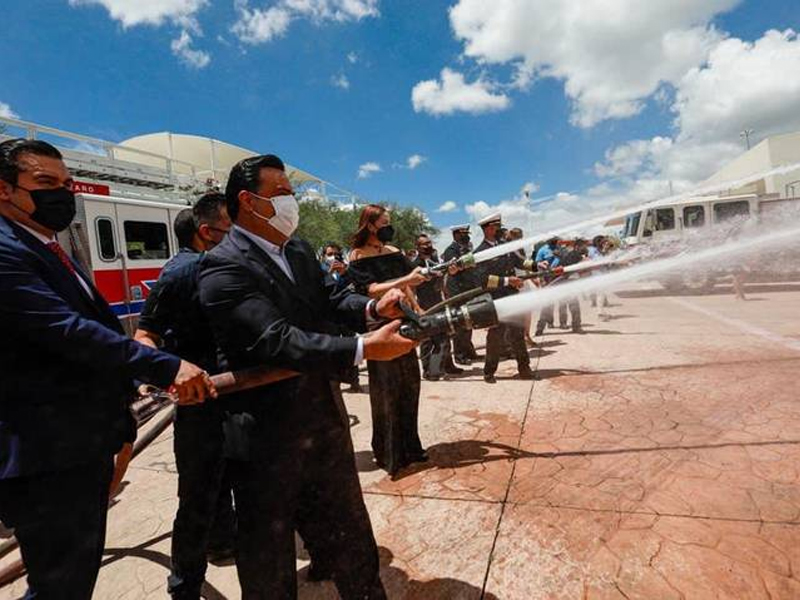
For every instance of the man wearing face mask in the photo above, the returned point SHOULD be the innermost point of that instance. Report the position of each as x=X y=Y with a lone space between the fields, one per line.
x=66 y=382
x=268 y=302
x=435 y=354
x=205 y=524
x=463 y=350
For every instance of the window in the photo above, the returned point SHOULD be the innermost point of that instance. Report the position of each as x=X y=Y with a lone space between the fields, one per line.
x=105 y=239
x=694 y=216
x=632 y=225
x=665 y=219
x=727 y=211
x=146 y=240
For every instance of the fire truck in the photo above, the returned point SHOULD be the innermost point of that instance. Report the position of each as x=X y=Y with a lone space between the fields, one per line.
x=128 y=197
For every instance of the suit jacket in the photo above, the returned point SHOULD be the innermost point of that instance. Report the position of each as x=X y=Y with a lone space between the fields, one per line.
x=67 y=366
x=261 y=318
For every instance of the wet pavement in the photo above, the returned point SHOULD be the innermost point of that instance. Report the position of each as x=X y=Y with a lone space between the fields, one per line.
x=656 y=457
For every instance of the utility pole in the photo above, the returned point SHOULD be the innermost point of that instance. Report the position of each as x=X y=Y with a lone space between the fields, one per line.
x=746 y=136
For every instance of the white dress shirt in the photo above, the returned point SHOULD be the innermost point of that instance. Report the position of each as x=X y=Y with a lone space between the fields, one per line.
x=45 y=240
x=278 y=255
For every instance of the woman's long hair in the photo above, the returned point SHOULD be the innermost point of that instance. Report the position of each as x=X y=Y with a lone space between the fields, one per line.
x=369 y=214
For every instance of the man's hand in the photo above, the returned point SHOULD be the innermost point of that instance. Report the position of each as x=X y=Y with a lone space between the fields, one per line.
x=388 y=306
x=338 y=267
x=192 y=384
x=515 y=282
x=386 y=343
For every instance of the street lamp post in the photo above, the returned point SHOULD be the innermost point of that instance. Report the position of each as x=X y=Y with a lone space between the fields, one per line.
x=746 y=136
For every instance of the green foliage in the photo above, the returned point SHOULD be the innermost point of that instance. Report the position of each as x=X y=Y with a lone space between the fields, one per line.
x=322 y=221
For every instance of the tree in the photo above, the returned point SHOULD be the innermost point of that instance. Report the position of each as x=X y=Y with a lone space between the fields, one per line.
x=323 y=221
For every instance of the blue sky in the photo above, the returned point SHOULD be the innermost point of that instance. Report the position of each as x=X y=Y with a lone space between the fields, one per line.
x=111 y=69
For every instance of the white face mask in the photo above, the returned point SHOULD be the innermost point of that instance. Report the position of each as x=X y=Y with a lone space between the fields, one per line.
x=287 y=214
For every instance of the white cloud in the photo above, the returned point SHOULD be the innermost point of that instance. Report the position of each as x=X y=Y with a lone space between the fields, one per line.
x=368 y=169
x=182 y=48
x=415 y=160
x=257 y=26
x=742 y=85
x=146 y=12
x=340 y=81
x=448 y=206
x=611 y=54
x=452 y=93
x=261 y=25
x=5 y=111
x=182 y=13
x=352 y=58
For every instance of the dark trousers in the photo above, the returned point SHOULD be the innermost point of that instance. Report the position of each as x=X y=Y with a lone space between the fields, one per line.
x=574 y=307
x=496 y=339
x=301 y=476
x=394 y=388
x=436 y=357
x=545 y=318
x=59 y=519
x=205 y=518
x=462 y=345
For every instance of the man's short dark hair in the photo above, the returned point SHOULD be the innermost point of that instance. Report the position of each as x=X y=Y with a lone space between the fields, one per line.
x=422 y=235
x=333 y=245
x=185 y=227
x=208 y=208
x=245 y=175
x=11 y=150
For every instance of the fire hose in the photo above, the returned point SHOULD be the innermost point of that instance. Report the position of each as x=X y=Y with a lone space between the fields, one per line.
x=226 y=383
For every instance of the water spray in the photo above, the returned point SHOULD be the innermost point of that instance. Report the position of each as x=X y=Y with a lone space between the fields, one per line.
x=511 y=307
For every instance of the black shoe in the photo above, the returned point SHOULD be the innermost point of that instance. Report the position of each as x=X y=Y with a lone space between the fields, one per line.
x=464 y=360
x=453 y=370
x=431 y=377
x=578 y=330
x=489 y=379
x=526 y=374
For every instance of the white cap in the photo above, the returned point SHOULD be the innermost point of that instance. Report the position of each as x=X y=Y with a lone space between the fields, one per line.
x=456 y=228
x=492 y=218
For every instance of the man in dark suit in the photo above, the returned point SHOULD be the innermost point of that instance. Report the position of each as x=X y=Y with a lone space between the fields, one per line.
x=435 y=353
x=269 y=303
x=68 y=372
x=499 y=277
x=462 y=281
x=205 y=524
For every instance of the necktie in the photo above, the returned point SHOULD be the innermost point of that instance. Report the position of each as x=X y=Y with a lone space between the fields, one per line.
x=56 y=249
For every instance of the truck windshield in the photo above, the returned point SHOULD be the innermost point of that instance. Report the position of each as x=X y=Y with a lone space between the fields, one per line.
x=632 y=225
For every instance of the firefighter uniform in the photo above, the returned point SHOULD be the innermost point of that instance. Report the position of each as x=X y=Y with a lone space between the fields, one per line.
x=495 y=277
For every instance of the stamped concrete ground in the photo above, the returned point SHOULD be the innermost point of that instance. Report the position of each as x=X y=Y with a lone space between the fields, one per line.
x=656 y=457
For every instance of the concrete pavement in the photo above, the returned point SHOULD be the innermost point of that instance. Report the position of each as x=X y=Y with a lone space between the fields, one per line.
x=657 y=457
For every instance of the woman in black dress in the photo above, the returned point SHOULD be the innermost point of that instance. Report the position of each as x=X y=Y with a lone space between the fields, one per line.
x=375 y=268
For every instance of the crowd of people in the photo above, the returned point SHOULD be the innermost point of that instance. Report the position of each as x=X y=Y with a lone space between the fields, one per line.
x=258 y=466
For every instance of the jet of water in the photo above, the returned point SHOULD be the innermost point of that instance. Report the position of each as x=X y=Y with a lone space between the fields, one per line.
x=531 y=241
x=510 y=308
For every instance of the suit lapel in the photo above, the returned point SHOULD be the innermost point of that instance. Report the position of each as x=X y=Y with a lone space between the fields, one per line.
x=298 y=288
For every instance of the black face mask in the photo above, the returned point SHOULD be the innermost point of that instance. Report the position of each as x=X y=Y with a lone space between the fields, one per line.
x=463 y=239
x=55 y=208
x=385 y=234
